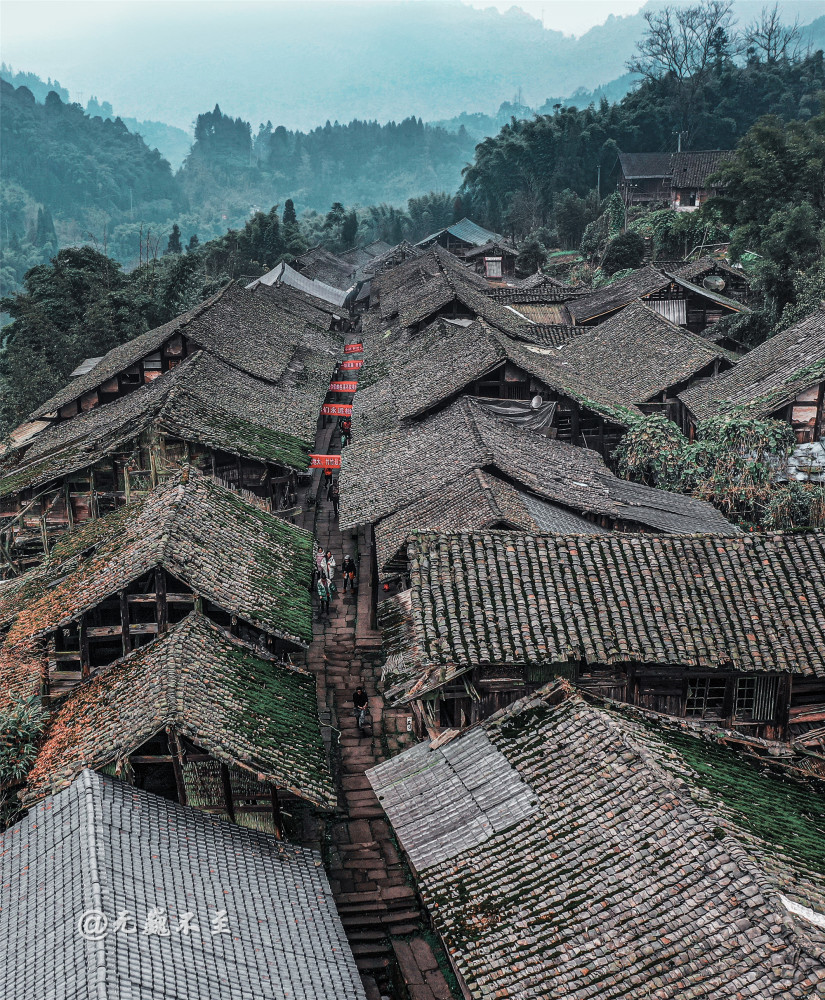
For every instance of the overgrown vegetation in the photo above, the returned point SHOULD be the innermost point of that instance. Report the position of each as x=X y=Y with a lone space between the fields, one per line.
x=21 y=725
x=736 y=462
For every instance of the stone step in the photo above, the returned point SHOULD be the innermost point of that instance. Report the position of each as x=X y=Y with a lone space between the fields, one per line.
x=365 y=964
x=368 y=948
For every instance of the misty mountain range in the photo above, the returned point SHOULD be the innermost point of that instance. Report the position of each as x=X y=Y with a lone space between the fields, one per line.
x=301 y=64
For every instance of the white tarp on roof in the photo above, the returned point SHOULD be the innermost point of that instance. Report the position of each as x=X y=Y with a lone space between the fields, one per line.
x=284 y=274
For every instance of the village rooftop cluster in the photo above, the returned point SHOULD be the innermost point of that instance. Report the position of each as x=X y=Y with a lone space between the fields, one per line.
x=597 y=749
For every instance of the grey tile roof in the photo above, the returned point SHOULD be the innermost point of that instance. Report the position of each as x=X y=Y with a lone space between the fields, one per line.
x=621 y=292
x=769 y=376
x=494 y=597
x=204 y=401
x=242 y=328
x=102 y=844
x=472 y=501
x=637 y=354
x=387 y=471
x=638 y=862
x=285 y=275
x=637 y=166
x=255 y=715
x=692 y=167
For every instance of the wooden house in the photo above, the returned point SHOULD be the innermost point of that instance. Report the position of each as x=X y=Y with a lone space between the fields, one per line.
x=243 y=411
x=783 y=378
x=690 y=170
x=644 y=178
x=495 y=261
x=676 y=298
x=642 y=358
x=679 y=180
x=195 y=715
x=566 y=847
x=726 y=631
x=459 y=238
x=118 y=582
x=187 y=905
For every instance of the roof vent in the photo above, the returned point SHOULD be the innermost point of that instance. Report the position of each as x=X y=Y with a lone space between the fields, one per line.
x=536 y=403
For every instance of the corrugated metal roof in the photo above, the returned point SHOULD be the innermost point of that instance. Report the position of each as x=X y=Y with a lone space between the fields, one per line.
x=85 y=366
x=466 y=230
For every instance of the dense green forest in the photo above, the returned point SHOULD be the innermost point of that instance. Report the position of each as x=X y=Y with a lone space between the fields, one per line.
x=230 y=169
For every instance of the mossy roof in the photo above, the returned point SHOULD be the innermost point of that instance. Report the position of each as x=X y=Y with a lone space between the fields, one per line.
x=243 y=559
x=564 y=849
x=769 y=376
x=746 y=602
x=250 y=713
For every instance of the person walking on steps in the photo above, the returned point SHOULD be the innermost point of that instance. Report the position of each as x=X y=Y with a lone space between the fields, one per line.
x=327 y=480
x=323 y=597
x=361 y=704
x=348 y=569
x=328 y=571
x=335 y=497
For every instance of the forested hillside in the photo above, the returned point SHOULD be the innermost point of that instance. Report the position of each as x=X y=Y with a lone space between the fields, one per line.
x=356 y=163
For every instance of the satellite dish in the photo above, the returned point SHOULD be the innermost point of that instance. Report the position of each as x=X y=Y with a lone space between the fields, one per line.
x=536 y=403
x=714 y=283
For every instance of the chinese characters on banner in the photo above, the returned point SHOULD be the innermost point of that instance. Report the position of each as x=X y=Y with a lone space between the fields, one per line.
x=353 y=348
x=325 y=461
x=343 y=386
x=352 y=365
x=337 y=409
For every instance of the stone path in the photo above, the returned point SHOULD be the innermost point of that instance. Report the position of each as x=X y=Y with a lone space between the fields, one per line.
x=372 y=886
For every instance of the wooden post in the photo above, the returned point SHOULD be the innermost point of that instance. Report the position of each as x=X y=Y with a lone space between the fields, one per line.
x=276 y=813
x=227 y=792
x=126 y=638
x=68 y=500
x=93 y=511
x=127 y=485
x=240 y=473
x=83 y=638
x=161 y=607
x=44 y=535
x=177 y=764
x=574 y=422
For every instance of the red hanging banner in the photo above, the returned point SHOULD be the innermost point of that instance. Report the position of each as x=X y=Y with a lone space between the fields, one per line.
x=343 y=386
x=353 y=348
x=352 y=365
x=337 y=409
x=325 y=461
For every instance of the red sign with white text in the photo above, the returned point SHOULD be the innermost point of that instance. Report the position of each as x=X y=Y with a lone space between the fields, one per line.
x=343 y=386
x=352 y=365
x=353 y=348
x=337 y=409
x=325 y=461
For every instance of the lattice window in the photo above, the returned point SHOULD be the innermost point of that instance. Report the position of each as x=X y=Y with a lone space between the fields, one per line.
x=755 y=698
x=705 y=696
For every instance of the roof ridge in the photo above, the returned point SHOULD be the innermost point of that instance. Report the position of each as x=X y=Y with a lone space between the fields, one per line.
x=92 y=802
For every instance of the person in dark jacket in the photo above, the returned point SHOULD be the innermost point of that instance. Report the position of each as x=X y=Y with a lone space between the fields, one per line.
x=348 y=569
x=335 y=497
x=323 y=596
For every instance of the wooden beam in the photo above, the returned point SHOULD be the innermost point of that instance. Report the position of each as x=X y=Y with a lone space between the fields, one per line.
x=161 y=606
x=276 y=813
x=177 y=764
x=227 y=792
x=83 y=636
x=126 y=639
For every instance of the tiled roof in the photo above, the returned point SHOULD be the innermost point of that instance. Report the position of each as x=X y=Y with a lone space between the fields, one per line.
x=770 y=375
x=694 y=270
x=565 y=849
x=549 y=334
x=241 y=328
x=383 y=473
x=751 y=602
x=540 y=311
x=637 y=166
x=250 y=713
x=637 y=354
x=102 y=844
x=202 y=400
x=428 y=368
x=319 y=264
x=493 y=246
x=621 y=292
x=474 y=500
x=691 y=168
x=246 y=561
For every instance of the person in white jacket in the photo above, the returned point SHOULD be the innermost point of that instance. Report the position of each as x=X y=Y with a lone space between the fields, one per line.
x=328 y=565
